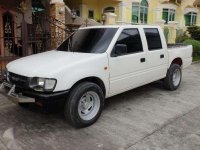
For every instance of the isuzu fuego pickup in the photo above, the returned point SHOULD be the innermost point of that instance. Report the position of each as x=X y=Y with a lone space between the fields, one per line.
x=95 y=63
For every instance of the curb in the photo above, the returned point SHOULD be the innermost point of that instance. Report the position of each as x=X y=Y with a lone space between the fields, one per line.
x=196 y=62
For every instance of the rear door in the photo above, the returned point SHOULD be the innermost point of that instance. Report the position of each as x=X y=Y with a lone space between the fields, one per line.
x=127 y=70
x=157 y=55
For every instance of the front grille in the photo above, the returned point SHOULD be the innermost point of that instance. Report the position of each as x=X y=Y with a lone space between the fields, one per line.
x=18 y=80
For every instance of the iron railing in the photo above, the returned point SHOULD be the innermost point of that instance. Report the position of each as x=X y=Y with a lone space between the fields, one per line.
x=44 y=34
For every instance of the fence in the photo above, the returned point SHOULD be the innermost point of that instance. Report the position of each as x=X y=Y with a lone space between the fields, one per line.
x=45 y=33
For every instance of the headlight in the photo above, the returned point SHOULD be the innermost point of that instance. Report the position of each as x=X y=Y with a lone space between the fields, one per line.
x=42 y=84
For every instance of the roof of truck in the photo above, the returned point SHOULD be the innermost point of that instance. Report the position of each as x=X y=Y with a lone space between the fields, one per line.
x=121 y=26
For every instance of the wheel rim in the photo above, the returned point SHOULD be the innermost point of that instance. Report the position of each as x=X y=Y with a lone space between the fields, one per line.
x=89 y=105
x=176 y=77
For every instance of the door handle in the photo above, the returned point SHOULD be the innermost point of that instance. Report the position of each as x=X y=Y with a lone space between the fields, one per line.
x=142 y=60
x=162 y=56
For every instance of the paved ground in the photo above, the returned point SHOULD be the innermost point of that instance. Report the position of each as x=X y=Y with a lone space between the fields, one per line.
x=146 y=118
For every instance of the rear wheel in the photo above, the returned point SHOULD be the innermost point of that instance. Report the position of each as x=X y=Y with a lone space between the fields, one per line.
x=173 y=78
x=84 y=105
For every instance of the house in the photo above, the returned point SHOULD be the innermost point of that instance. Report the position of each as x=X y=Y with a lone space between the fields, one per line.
x=171 y=15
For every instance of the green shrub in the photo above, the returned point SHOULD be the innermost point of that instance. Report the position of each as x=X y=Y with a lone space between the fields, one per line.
x=196 y=46
x=194 y=31
x=181 y=36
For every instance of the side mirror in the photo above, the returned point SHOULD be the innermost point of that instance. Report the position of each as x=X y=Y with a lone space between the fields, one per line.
x=120 y=49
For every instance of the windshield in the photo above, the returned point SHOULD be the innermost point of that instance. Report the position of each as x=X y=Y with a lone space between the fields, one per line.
x=89 y=40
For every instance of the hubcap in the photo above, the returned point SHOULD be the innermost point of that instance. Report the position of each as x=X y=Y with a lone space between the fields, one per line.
x=176 y=77
x=89 y=105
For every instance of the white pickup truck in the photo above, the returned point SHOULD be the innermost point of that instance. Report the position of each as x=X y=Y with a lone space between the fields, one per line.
x=95 y=63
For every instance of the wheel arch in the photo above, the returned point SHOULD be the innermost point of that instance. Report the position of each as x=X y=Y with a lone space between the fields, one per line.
x=177 y=61
x=93 y=79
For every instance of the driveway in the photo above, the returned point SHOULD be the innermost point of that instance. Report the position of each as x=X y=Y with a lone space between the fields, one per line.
x=145 y=118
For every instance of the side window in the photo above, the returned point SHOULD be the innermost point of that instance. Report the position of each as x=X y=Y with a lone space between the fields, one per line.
x=131 y=38
x=153 y=39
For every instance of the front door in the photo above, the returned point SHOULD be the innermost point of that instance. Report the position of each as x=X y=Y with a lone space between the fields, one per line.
x=127 y=70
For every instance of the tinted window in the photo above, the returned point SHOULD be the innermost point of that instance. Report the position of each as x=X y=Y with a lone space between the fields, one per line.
x=89 y=40
x=131 y=38
x=153 y=39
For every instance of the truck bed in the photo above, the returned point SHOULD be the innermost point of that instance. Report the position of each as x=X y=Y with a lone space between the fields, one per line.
x=177 y=45
x=180 y=51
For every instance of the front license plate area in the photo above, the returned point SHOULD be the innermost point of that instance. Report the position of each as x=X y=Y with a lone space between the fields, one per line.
x=8 y=90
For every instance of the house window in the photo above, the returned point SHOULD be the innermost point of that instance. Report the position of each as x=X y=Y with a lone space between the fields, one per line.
x=168 y=15
x=109 y=10
x=91 y=14
x=190 y=19
x=140 y=12
x=78 y=13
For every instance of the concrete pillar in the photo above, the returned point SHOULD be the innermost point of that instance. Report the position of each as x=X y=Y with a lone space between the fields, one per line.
x=57 y=11
x=158 y=14
x=122 y=9
x=84 y=11
x=110 y=18
x=173 y=26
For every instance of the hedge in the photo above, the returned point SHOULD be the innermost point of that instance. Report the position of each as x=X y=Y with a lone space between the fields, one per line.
x=195 y=44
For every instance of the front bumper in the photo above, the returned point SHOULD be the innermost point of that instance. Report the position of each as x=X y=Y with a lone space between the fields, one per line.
x=30 y=96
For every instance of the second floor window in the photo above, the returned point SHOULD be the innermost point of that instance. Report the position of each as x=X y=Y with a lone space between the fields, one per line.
x=140 y=12
x=168 y=15
x=190 y=19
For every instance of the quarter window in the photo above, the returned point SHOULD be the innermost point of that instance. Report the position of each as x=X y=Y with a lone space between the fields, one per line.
x=131 y=38
x=168 y=15
x=153 y=39
x=190 y=19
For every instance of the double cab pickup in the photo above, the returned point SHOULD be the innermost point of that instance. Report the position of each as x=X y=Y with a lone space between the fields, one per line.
x=93 y=64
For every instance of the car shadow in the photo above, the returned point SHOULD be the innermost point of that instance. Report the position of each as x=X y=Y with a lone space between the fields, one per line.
x=52 y=116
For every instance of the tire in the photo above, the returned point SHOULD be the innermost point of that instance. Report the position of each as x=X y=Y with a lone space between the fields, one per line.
x=84 y=104
x=24 y=105
x=173 y=79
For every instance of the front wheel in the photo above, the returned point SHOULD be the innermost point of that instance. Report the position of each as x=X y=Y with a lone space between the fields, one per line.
x=173 y=78
x=84 y=105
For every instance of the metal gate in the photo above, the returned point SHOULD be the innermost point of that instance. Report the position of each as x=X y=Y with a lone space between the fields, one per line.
x=44 y=34
x=10 y=46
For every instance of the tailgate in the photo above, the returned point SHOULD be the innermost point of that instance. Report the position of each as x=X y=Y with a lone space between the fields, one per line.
x=183 y=52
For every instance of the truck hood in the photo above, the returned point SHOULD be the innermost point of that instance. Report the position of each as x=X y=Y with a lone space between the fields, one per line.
x=47 y=63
